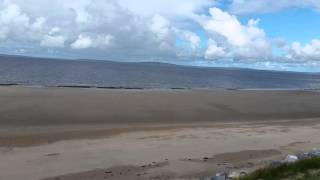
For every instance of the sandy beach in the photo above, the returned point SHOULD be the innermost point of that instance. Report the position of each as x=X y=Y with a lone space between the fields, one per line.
x=159 y=90
x=81 y=134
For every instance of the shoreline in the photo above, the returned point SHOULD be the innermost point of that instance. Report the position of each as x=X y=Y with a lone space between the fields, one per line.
x=95 y=87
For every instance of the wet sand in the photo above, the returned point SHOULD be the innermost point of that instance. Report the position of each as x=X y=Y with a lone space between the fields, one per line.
x=23 y=107
x=82 y=134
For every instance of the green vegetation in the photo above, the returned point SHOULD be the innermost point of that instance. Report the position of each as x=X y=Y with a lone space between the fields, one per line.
x=307 y=169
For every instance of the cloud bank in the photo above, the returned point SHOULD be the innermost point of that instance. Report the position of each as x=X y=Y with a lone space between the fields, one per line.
x=147 y=30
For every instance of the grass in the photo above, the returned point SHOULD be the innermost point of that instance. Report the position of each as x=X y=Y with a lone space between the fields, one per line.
x=307 y=169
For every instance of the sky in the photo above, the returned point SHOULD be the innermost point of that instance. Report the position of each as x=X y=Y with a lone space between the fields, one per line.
x=261 y=34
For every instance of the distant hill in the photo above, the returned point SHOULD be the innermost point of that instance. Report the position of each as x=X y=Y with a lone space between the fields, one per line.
x=107 y=74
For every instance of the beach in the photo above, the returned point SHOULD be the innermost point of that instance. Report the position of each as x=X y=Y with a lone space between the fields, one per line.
x=159 y=90
x=77 y=133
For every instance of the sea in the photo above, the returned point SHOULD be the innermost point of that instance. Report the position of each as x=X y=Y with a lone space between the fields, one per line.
x=30 y=71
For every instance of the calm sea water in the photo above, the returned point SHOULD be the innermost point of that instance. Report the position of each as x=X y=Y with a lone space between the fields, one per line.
x=49 y=72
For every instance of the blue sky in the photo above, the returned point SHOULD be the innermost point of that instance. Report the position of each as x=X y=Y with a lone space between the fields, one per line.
x=293 y=24
x=263 y=34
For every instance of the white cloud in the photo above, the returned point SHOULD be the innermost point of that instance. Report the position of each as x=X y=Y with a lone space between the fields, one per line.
x=4 y=31
x=54 y=31
x=97 y=25
x=193 y=39
x=241 y=41
x=39 y=23
x=265 y=6
x=11 y=19
x=143 y=29
x=166 y=7
x=160 y=26
x=82 y=42
x=227 y=26
x=53 y=41
x=103 y=41
x=17 y=25
x=215 y=52
x=189 y=44
x=101 y=28
x=309 y=51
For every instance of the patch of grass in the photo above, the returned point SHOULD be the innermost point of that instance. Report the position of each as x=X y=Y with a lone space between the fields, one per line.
x=307 y=169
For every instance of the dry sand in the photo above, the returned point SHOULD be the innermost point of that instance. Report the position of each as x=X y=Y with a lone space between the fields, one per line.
x=86 y=134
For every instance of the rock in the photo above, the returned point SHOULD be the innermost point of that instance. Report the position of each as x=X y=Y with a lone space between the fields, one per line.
x=205 y=158
x=310 y=154
x=291 y=159
x=220 y=176
x=315 y=153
